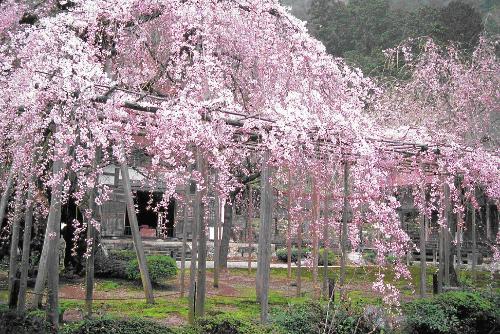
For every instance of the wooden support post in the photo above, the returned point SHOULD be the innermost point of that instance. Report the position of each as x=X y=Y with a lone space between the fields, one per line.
x=289 y=228
x=249 y=227
x=25 y=261
x=343 y=237
x=474 y=243
x=488 y=220
x=423 y=254
x=6 y=194
x=326 y=293
x=134 y=227
x=315 y=241
x=184 y=241
x=264 y=251
x=54 y=233
x=226 y=234
x=441 y=260
x=90 y=260
x=92 y=243
x=194 y=258
x=14 y=242
x=447 y=236
x=299 y=260
x=202 y=240
x=216 y=237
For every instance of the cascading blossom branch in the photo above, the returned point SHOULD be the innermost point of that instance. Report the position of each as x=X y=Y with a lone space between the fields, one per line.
x=220 y=78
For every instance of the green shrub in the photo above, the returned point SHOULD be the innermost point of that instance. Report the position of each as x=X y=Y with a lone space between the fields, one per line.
x=369 y=256
x=160 y=267
x=224 y=323
x=114 y=265
x=332 y=258
x=14 y=323
x=282 y=254
x=303 y=318
x=115 y=326
x=453 y=312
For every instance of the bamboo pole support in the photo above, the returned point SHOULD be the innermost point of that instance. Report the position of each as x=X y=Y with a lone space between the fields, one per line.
x=25 y=260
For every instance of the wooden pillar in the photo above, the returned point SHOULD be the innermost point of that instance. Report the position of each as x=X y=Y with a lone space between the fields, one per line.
x=134 y=227
x=343 y=237
x=314 y=225
x=25 y=261
x=14 y=242
x=299 y=260
x=447 y=236
x=184 y=242
x=202 y=240
x=326 y=293
x=289 y=228
x=6 y=194
x=194 y=253
x=474 y=242
x=54 y=233
x=488 y=220
x=423 y=251
x=249 y=227
x=441 y=260
x=264 y=251
x=217 y=221
x=92 y=243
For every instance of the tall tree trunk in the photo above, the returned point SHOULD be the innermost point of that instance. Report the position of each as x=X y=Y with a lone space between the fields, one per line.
x=42 y=271
x=54 y=234
x=264 y=251
x=134 y=227
x=226 y=234
x=343 y=237
x=25 y=261
x=202 y=240
x=14 y=242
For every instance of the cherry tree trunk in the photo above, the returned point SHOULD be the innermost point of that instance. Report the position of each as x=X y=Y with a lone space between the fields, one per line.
x=343 y=236
x=488 y=220
x=14 y=242
x=53 y=234
x=202 y=240
x=25 y=260
x=264 y=247
x=134 y=227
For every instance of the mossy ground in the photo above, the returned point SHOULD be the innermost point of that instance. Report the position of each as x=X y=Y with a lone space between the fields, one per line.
x=237 y=293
